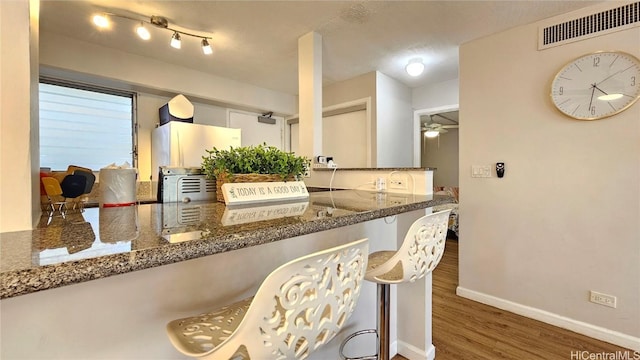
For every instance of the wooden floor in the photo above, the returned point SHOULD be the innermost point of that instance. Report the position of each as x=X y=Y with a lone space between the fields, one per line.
x=465 y=329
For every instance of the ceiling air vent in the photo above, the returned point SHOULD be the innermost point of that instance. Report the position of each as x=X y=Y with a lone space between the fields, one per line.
x=604 y=22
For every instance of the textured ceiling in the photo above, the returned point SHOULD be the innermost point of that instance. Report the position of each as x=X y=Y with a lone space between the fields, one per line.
x=256 y=42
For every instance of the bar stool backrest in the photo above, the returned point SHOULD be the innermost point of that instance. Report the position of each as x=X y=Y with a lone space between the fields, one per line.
x=299 y=307
x=420 y=252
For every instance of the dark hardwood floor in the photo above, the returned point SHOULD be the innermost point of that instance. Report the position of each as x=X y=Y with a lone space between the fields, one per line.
x=465 y=329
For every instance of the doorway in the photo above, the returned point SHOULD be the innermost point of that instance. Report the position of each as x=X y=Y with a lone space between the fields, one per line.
x=436 y=143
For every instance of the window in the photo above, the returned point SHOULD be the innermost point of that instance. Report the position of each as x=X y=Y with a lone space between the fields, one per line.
x=85 y=126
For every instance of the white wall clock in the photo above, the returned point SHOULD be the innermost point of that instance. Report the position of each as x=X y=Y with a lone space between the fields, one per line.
x=597 y=85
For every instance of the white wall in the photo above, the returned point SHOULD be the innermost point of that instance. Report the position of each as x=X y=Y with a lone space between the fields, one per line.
x=344 y=138
x=360 y=87
x=19 y=179
x=565 y=218
x=62 y=52
x=419 y=182
x=394 y=123
x=391 y=115
x=436 y=95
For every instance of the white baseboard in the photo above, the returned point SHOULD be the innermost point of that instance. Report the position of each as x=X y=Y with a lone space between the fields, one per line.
x=414 y=353
x=393 y=348
x=431 y=353
x=596 y=332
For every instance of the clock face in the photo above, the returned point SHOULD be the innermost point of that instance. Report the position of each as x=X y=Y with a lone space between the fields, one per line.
x=597 y=85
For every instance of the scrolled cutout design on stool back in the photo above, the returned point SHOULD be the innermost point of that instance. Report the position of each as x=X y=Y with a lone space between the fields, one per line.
x=424 y=244
x=299 y=307
x=313 y=304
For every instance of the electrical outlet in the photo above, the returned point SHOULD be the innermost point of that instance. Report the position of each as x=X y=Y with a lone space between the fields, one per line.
x=602 y=299
x=400 y=184
x=381 y=184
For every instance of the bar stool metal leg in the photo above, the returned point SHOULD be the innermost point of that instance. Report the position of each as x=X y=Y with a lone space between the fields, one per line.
x=382 y=330
x=384 y=291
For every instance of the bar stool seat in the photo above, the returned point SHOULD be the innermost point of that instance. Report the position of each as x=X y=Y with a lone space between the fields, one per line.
x=298 y=308
x=420 y=252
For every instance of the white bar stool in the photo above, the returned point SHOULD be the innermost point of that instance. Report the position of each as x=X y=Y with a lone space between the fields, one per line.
x=298 y=308
x=419 y=254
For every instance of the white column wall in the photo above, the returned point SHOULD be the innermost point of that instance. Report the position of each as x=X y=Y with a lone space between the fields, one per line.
x=310 y=97
x=394 y=123
x=19 y=178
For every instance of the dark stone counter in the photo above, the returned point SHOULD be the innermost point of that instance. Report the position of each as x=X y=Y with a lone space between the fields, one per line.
x=100 y=242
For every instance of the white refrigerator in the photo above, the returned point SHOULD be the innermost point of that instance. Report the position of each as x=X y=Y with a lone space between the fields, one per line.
x=181 y=144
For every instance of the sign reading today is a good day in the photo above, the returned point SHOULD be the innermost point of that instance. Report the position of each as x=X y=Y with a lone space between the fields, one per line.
x=261 y=192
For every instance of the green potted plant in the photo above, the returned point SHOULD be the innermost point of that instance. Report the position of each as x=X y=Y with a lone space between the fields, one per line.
x=260 y=163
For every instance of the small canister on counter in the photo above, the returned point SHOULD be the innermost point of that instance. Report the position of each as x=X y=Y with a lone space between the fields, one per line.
x=117 y=186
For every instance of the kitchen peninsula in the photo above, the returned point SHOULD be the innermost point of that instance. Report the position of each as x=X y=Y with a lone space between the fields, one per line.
x=71 y=288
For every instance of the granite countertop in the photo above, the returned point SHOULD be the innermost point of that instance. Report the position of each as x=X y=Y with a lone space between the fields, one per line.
x=100 y=242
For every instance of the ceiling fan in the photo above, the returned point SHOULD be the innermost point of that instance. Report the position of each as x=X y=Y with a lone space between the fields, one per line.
x=432 y=129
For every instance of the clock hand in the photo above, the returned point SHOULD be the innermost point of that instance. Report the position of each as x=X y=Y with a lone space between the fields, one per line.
x=593 y=89
x=595 y=86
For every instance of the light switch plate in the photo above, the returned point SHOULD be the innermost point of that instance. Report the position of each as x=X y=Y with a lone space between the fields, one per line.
x=481 y=171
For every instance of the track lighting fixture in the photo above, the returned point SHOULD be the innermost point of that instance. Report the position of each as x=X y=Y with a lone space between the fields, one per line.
x=102 y=20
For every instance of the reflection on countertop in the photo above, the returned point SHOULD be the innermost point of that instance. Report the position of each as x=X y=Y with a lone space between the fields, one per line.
x=99 y=242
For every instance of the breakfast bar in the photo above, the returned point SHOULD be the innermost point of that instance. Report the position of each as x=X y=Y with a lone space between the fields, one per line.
x=103 y=282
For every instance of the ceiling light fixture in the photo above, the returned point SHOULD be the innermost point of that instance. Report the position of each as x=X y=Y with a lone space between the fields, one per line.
x=431 y=133
x=176 y=43
x=415 y=67
x=102 y=21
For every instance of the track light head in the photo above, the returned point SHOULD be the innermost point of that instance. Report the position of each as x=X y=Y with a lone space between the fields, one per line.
x=206 y=48
x=142 y=32
x=101 y=21
x=176 y=43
